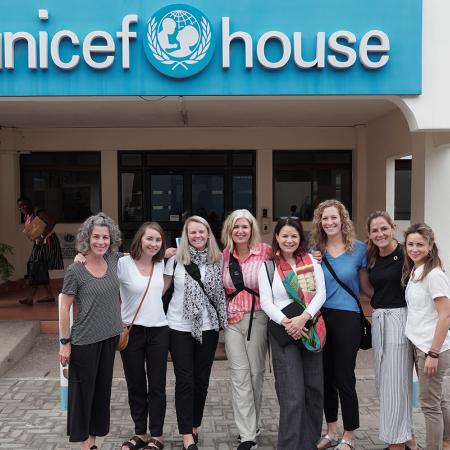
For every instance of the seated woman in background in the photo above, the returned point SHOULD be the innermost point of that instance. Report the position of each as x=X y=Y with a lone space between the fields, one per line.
x=39 y=227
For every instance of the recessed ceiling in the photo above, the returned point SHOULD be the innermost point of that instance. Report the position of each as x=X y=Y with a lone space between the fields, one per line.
x=143 y=112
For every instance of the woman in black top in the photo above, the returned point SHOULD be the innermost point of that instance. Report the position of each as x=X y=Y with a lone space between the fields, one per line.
x=393 y=356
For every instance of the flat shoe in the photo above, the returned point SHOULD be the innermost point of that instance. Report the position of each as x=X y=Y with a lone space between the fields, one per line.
x=332 y=442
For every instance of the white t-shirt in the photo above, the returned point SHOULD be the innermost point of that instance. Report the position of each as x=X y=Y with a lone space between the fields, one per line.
x=132 y=288
x=422 y=315
x=274 y=298
x=175 y=311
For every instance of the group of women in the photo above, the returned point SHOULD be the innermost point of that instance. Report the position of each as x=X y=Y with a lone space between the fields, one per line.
x=311 y=301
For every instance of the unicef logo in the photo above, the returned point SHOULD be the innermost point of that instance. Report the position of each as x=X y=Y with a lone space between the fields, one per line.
x=178 y=41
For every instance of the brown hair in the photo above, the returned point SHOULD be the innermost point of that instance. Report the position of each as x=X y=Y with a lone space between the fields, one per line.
x=291 y=222
x=372 y=250
x=136 y=244
x=318 y=235
x=432 y=260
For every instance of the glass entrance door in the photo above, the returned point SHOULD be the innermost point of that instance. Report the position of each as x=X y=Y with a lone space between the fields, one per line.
x=168 y=187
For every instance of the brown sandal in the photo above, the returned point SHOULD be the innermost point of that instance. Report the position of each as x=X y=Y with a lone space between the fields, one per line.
x=135 y=443
x=154 y=444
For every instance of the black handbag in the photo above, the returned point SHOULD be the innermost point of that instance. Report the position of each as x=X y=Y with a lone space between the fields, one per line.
x=366 y=328
x=279 y=333
x=37 y=268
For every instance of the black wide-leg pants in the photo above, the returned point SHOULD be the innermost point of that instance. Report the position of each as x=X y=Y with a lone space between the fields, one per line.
x=90 y=379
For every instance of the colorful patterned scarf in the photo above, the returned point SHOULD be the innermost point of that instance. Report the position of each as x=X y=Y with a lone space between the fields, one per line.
x=301 y=288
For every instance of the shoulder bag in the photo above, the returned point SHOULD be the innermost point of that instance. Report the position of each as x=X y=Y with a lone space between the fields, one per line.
x=124 y=335
x=366 y=327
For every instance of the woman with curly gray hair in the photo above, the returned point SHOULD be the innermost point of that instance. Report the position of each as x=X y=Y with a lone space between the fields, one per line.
x=89 y=346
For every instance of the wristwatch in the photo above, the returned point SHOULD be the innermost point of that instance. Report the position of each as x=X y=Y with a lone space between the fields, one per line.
x=65 y=341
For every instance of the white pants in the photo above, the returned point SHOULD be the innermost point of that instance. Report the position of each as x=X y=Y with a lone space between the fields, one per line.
x=248 y=364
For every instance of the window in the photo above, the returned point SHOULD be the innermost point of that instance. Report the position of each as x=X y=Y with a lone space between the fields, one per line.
x=66 y=184
x=402 y=205
x=302 y=179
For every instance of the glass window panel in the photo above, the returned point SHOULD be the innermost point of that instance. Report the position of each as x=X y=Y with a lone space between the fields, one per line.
x=167 y=198
x=242 y=159
x=131 y=159
x=187 y=159
x=402 y=203
x=55 y=182
x=288 y=159
x=243 y=192
x=131 y=197
x=208 y=196
x=298 y=191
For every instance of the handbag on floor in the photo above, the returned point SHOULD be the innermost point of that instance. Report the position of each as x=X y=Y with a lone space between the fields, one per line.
x=366 y=327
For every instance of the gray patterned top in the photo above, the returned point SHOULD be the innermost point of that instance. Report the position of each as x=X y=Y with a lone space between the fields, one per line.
x=97 y=300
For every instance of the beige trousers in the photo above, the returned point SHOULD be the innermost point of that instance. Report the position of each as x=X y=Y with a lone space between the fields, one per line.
x=248 y=364
x=433 y=401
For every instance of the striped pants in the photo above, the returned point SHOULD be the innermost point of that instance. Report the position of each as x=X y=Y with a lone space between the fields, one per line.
x=393 y=363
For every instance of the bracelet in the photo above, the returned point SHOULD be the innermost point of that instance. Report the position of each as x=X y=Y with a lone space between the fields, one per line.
x=433 y=355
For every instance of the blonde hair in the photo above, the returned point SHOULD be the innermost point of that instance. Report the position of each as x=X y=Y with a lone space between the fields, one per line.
x=318 y=235
x=432 y=260
x=372 y=250
x=230 y=222
x=184 y=257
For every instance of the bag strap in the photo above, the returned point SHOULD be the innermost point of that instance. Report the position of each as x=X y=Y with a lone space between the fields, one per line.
x=194 y=271
x=237 y=279
x=142 y=301
x=341 y=283
x=270 y=269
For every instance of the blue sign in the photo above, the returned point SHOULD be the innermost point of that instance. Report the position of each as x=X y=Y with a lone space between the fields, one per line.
x=245 y=47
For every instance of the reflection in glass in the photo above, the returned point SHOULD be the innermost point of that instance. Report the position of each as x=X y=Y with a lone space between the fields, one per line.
x=167 y=198
x=208 y=196
x=243 y=192
x=131 y=197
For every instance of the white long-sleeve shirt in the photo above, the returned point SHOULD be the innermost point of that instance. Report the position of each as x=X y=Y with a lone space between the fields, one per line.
x=274 y=298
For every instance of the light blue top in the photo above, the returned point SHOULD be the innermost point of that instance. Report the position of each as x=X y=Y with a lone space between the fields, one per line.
x=347 y=267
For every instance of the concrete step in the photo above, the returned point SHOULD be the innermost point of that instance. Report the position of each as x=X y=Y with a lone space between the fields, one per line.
x=17 y=338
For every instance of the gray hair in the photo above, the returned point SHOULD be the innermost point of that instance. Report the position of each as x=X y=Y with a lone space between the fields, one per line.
x=99 y=220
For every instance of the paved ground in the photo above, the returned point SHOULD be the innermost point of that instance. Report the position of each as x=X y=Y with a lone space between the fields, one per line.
x=30 y=416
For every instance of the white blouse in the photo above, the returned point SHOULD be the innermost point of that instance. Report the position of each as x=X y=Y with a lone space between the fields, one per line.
x=274 y=298
x=132 y=288
x=422 y=314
